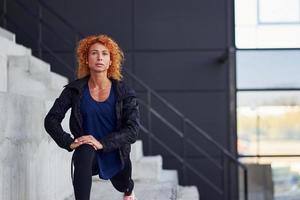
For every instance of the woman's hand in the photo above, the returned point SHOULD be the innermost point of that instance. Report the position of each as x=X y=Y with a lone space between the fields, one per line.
x=89 y=139
x=75 y=144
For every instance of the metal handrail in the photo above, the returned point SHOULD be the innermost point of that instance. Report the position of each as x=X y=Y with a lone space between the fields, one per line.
x=7 y=18
x=150 y=92
x=269 y=156
x=179 y=132
x=187 y=120
x=200 y=131
x=61 y=61
x=225 y=151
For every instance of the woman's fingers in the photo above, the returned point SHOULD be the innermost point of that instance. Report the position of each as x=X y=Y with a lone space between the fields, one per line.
x=88 y=139
x=74 y=145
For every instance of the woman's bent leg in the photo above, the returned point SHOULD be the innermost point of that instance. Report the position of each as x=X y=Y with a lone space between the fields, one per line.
x=83 y=163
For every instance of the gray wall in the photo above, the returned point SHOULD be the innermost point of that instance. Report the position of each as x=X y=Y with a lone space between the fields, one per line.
x=174 y=46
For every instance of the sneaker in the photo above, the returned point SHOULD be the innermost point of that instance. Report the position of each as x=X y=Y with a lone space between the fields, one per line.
x=130 y=197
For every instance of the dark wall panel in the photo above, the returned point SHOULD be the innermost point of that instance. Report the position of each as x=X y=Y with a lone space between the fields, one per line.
x=112 y=17
x=177 y=24
x=205 y=108
x=57 y=65
x=182 y=70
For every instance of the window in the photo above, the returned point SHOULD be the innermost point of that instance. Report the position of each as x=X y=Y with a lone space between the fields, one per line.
x=278 y=11
x=268 y=85
x=267 y=24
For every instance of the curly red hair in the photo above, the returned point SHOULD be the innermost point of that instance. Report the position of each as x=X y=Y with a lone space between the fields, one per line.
x=116 y=55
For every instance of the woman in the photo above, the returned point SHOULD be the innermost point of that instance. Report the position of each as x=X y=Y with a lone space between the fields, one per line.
x=104 y=118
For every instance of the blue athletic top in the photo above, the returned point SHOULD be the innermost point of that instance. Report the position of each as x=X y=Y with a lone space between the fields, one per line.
x=99 y=119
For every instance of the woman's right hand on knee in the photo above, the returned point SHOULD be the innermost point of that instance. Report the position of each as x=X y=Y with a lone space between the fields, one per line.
x=87 y=139
x=75 y=144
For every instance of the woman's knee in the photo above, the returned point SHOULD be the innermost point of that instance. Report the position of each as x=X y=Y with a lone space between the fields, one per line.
x=84 y=154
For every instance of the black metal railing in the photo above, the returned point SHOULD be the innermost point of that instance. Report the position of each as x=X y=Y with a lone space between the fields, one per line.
x=151 y=95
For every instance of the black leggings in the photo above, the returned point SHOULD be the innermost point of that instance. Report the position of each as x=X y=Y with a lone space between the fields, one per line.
x=86 y=166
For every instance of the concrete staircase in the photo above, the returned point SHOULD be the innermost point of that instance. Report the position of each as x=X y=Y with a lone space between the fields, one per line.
x=151 y=181
x=31 y=164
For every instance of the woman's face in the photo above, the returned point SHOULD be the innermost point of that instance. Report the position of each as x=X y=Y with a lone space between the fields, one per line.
x=98 y=58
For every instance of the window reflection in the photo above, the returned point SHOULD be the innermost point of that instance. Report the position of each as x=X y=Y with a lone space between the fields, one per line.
x=269 y=130
x=253 y=28
x=278 y=11
x=268 y=126
x=285 y=175
x=268 y=69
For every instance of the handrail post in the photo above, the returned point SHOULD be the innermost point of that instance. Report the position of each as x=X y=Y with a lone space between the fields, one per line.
x=149 y=119
x=225 y=177
x=75 y=59
x=40 y=31
x=246 y=184
x=184 y=152
x=4 y=21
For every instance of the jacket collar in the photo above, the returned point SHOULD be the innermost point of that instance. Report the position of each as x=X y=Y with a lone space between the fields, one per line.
x=78 y=84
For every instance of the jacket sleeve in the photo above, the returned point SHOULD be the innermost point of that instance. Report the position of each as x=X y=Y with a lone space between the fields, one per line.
x=128 y=133
x=53 y=119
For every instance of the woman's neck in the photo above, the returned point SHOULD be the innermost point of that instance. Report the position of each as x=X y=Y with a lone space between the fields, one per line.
x=99 y=81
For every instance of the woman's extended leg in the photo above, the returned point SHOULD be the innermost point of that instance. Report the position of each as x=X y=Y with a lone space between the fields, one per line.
x=122 y=180
x=84 y=159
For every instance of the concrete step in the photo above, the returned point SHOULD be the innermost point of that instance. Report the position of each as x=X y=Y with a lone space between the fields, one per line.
x=147 y=168
x=136 y=151
x=57 y=84
x=28 y=76
x=168 y=175
x=58 y=81
x=144 y=190
x=3 y=74
x=7 y=34
x=187 y=193
x=9 y=47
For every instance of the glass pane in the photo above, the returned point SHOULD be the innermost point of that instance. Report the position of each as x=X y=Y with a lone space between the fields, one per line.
x=278 y=11
x=285 y=174
x=268 y=123
x=251 y=33
x=268 y=68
